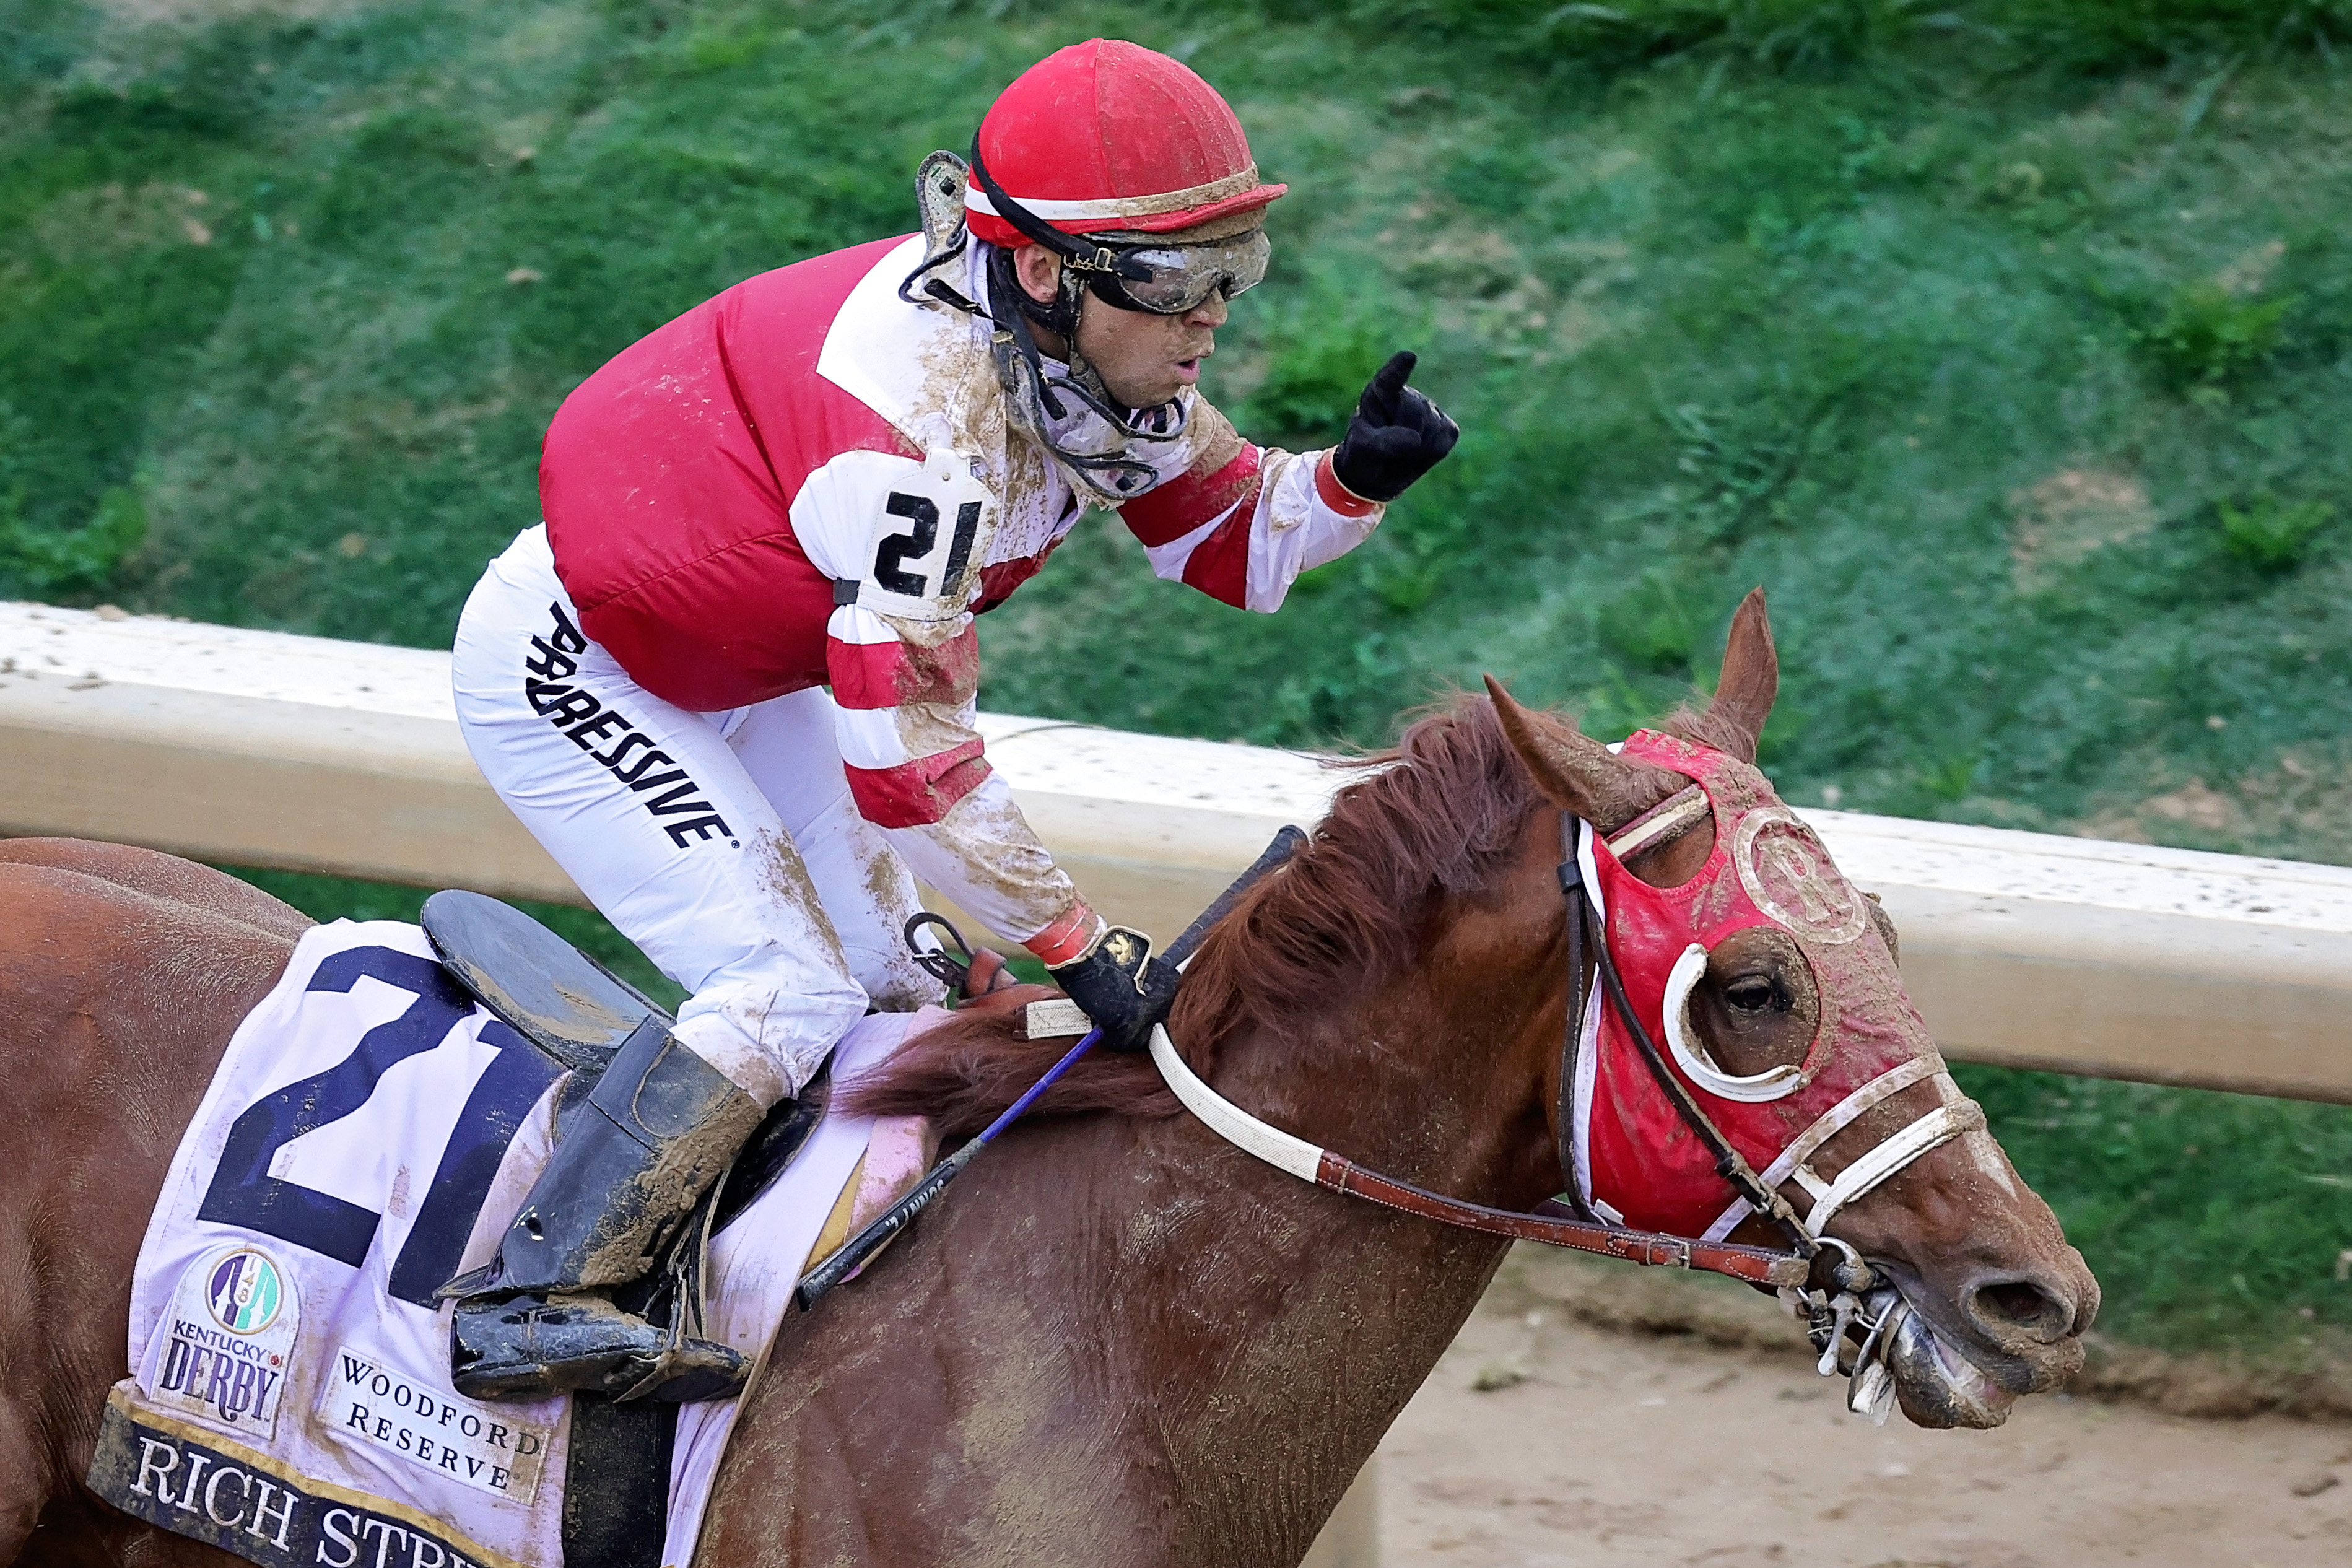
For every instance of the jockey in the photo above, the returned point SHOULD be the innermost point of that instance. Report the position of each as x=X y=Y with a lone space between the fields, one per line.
x=816 y=481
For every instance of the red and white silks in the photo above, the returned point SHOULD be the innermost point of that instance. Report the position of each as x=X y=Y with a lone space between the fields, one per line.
x=808 y=480
x=1637 y=1161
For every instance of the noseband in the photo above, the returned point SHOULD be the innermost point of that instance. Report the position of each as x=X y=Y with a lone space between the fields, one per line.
x=1820 y=1276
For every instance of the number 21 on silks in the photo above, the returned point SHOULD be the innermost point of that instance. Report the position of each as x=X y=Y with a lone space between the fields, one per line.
x=927 y=543
x=899 y=558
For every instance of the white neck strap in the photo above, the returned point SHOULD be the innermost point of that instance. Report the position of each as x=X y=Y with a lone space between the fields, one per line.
x=1230 y=1121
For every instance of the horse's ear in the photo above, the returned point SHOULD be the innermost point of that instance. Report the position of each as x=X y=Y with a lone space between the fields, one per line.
x=1576 y=773
x=1751 y=677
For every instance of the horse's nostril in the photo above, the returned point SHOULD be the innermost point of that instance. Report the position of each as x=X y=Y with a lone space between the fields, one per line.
x=2021 y=1306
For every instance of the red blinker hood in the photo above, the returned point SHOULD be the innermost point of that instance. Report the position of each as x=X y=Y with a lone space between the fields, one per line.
x=1634 y=1154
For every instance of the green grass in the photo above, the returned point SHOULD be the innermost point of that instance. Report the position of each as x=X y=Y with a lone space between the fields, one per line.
x=2005 y=341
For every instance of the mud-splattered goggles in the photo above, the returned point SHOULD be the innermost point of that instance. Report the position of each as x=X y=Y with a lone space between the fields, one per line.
x=1154 y=277
x=1169 y=279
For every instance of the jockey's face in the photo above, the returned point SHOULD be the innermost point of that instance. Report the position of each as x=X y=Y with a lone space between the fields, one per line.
x=1145 y=359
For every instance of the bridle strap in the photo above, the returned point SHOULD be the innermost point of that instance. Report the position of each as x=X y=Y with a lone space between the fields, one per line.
x=1571 y=888
x=1729 y=1163
x=1827 y=1125
x=1311 y=1163
x=1758 y=1194
x=1939 y=1127
x=1588 y=1232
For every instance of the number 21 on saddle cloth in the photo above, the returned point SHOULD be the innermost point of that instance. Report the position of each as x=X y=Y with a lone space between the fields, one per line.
x=369 y=1133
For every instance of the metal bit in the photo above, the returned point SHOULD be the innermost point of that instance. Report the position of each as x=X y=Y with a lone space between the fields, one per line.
x=1841 y=1312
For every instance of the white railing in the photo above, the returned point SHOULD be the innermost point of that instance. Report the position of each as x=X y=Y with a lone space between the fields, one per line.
x=257 y=747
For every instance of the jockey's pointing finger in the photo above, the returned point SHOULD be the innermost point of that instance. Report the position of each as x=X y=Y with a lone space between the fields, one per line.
x=1397 y=435
x=1379 y=401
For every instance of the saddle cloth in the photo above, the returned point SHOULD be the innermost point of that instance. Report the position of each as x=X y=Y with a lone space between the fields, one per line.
x=370 y=1133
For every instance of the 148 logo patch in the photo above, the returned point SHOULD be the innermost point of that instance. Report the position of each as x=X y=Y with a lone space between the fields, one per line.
x=231 y=1327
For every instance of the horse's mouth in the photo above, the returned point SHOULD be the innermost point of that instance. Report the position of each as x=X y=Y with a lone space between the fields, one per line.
x=1936 y=1385
x=1944 y=1379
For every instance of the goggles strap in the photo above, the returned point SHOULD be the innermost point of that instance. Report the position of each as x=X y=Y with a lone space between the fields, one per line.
x=1065 y=246
x=1085 y=262
x=1114 y=478
x=1099 y=263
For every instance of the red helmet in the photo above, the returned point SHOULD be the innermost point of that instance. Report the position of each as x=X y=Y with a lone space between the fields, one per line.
x=1108 y=135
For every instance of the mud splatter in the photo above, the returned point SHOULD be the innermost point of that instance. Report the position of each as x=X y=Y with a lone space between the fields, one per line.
x=1006 y=862
x=1215 y=440
x=2250 y=273
x=785 y=877
x=2071 y=516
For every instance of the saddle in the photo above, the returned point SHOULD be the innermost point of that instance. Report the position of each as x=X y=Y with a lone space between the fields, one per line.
x=578 y=1013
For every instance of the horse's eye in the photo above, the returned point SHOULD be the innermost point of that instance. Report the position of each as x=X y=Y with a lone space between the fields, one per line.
x=1750 y=994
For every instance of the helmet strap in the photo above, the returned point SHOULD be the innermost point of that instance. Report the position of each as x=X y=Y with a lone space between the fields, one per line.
x=1084 y=263
x=1112 y=477
x=1035 y=398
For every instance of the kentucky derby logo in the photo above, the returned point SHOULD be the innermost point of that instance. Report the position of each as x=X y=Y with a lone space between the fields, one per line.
x=222 y=1355
x=244 y=1292
x=1791 y=879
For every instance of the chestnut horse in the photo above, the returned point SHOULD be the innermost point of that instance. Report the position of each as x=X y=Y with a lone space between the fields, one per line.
x=1118 y=1340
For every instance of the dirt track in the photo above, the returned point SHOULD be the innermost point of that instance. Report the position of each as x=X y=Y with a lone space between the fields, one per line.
x=1626 y=1448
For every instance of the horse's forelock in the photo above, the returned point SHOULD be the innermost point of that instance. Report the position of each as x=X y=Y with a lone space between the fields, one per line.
x=1706 y=727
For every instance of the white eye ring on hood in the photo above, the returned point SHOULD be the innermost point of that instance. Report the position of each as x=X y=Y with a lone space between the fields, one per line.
x=1769 y=1084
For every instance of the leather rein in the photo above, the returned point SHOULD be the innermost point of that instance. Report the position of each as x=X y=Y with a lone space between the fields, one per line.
x=1855 y=1318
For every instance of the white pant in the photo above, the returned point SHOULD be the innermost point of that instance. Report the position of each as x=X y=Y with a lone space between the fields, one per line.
x=724 y=844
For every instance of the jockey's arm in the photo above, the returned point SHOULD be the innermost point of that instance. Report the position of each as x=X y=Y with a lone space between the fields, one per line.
x=1243 y=521
x=1240 y=524
x=902 y=657
x=905 y=694
x=916 y=769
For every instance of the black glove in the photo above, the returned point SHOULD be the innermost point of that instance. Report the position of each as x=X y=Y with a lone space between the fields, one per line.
x=1396 y=437
x=1122 y=992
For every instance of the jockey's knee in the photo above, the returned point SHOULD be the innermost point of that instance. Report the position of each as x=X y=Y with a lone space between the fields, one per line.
x=767 y=1040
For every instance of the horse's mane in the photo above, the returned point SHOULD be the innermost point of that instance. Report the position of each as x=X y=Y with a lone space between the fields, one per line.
x=1428 y=817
